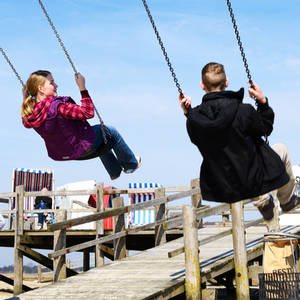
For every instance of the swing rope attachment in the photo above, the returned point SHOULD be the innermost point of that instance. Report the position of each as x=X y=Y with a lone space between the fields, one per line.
x=12 y=67
x=104 y=129
x=163 y=49
x=238 y=38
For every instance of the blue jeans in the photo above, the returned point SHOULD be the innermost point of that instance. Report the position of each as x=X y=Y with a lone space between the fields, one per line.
x=119 y=158
x=41 y=205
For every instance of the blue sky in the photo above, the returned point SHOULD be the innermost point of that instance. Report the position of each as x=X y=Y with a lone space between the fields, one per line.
x=113 y=45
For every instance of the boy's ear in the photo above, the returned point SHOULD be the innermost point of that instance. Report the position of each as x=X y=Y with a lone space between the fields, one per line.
x=202 y=85
x=226 y=82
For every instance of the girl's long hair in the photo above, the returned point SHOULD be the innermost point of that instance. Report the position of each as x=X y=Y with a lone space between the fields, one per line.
x=35 y=80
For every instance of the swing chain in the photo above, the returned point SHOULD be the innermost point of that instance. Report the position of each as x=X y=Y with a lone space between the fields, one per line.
x=57 y=36
x=163 y=48
x=239 y=42
x=104 y=129
x=11 y=65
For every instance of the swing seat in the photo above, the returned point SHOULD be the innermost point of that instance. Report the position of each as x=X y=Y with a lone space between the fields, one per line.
x=103 y=149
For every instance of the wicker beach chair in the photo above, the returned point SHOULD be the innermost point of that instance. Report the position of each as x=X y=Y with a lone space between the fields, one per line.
x=144 y=216
x=33 y=180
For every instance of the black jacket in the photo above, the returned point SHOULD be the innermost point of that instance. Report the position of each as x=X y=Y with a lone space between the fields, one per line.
x=237 y=163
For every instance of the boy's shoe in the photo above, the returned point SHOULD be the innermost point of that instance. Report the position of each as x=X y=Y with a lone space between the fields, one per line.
x=139 y=160
x=267 y=211
x=116 y=177
x=294 y=202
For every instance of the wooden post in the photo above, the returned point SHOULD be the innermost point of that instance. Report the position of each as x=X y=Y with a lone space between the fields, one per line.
x=19 y=229
x=160 y=213
x=240 y=252
x=99 y=256
x=119 y=225
x=86 y=260
x=59 y=242
x=39 y=279
x=196 y=199
x=192 y=268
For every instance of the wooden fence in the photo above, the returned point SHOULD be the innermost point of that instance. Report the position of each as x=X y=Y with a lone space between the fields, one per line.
x=191 y=220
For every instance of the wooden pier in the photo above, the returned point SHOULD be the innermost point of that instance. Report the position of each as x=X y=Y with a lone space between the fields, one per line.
x=165 y=268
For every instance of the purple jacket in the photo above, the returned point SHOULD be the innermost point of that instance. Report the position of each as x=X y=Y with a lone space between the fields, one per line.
x=65 y=139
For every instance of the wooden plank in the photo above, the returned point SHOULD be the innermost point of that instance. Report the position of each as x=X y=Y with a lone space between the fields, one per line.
x=119 y=226
x=160 y=214
x=192 y=269
x=119 y=211
x=9 y=281
x=19 y=229
x=99 y=255
x=240 y=252
x=59 y=242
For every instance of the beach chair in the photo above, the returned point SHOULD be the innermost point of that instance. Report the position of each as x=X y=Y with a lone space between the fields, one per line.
x=33 y=180
x=144 y=216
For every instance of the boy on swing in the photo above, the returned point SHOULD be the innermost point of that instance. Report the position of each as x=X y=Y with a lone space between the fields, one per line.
x=237 y=163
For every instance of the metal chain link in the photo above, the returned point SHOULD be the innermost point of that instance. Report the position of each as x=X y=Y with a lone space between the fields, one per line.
x=11 y=65
x=239 y=42
x=163 y=48
x=104 y=129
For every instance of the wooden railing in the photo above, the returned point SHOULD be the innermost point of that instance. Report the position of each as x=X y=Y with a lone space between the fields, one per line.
x=193 y=214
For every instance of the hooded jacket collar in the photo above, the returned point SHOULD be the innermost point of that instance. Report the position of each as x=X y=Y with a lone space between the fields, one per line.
x=217 y=111
x=239 y=95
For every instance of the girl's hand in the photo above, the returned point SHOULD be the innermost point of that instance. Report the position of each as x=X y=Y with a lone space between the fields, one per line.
x=185 y=103
x=80 y=81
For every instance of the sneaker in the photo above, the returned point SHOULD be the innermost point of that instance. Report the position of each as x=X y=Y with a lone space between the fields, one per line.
x=116 y=177
x=267 y=211
x=139 y=160
x=294 y=202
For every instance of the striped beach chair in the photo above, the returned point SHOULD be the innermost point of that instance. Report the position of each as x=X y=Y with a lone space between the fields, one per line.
x=33 y=180
x=144 y=216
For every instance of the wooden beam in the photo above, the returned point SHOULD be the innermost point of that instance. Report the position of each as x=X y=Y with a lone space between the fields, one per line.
x=99 y=255
x=59 y=242
x=2 y=200
x=240 y=252
x=119 y=226
x=107 y=251
x=192 y=267
x=160 y=214
x=42 y=259
x=9 y=281
x=119 y=211
x=19 y=229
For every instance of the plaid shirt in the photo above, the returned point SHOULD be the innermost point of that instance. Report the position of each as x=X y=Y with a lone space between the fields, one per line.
x=76 y=112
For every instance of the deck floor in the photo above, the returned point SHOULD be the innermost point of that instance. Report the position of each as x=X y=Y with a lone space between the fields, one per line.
x=151 y=274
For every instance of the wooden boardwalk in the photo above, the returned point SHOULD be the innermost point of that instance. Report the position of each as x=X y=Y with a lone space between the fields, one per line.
x=151 y=274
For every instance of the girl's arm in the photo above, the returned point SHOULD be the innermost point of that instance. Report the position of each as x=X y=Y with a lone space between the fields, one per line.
x=76 y=112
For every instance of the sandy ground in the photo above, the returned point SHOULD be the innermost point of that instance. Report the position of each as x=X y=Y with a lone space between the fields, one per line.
x=30 y=280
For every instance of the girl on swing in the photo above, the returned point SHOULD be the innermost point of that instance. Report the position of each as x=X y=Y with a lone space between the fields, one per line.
x=63 y=126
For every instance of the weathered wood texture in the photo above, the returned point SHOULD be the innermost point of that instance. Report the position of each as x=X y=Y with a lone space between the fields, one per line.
x=192 y=268
x=240 y=252
x=151 y=274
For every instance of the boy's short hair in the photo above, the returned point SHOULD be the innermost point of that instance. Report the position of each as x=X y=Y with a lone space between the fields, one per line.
x=214 y=77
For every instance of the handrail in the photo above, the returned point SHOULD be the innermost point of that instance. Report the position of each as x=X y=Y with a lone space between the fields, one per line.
x=119 y=211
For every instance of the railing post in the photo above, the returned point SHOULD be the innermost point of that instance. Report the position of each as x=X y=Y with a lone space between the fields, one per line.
x=119 y=225
x=99 y=256
x=196 y=199
x=160 y=213
x=240 y=252
x=86 y=260
x=39 y=279
x=192 y=267
x=19 y=230
x=59 y=242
